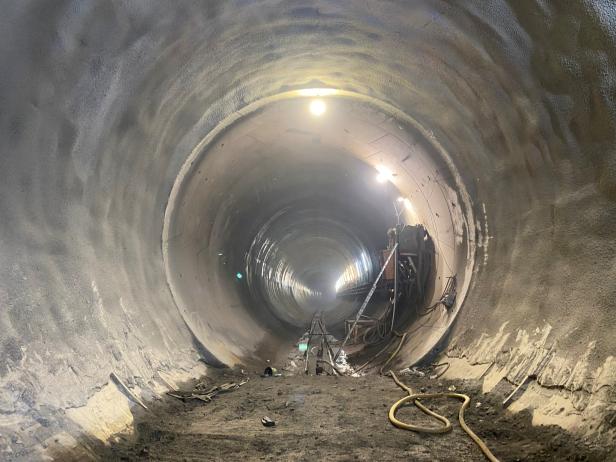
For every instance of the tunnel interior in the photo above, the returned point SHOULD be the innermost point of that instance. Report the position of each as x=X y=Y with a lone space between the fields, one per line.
x=184 y=186
x=283 y=209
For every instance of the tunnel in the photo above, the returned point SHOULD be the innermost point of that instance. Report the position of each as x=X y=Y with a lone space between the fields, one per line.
x=185 y=185
x=300 y=210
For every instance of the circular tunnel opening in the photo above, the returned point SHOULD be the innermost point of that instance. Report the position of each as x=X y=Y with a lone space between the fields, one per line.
x=283 y=212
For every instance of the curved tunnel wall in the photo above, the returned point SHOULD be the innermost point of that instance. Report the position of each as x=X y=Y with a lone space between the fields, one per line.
x=285 y=197
x=103 y=101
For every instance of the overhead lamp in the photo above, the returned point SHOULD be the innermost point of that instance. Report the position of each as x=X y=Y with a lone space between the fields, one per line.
x=409 y=206
x=384 y=174
x=317 y=107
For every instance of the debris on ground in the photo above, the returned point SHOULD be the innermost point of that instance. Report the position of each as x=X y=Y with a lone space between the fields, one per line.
x=433 y=371
x=412 y=371
x=126 y=390
x=343 y=366
x=319 y=418
x=267 y=422
x=204 y=393
x=271 y=372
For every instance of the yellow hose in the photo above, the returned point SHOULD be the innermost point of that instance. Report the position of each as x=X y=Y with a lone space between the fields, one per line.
x=415 y=397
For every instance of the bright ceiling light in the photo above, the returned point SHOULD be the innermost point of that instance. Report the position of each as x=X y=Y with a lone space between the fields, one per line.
x=409 y=205
x=317 y=107
x=384 y=174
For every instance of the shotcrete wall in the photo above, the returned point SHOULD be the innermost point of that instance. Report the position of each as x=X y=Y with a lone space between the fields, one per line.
x=102 y=103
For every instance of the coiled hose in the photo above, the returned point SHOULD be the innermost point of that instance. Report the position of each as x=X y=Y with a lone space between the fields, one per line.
x=446 y=427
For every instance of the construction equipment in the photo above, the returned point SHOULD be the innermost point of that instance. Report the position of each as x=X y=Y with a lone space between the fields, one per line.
x=406 y=266
x=365 y=303
x=322 y=343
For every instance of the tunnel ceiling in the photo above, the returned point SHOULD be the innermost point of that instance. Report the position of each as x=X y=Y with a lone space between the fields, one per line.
x=106 y=104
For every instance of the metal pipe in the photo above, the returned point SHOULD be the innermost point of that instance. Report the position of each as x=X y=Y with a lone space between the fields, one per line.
x=366 y=300
x=393 y=309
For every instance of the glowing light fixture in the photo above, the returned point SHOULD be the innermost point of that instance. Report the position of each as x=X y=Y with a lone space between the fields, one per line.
x=409 y=206
x=384 y=174
x=317 y=107
x=239 y=275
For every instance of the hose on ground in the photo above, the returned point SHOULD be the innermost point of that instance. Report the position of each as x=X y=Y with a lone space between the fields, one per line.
x=446 y=427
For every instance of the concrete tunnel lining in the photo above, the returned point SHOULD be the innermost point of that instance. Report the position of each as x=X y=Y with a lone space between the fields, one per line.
x=294 y=153
x=103 y=101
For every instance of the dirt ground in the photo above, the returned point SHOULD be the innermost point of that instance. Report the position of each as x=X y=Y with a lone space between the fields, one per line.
x=335 y=419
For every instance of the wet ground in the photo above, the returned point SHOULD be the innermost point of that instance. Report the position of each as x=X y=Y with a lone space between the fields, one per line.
x=335 y=419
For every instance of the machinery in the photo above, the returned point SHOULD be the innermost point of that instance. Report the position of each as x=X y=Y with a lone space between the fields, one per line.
x=405 y=280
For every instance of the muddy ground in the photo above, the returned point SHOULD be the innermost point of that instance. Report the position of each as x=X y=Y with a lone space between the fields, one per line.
x=336 y=419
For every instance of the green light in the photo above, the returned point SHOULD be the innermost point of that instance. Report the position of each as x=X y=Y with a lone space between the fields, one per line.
x=302 y=347
x=239 y=275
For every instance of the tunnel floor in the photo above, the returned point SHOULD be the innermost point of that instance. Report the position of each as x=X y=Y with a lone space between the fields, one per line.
x=334 y=418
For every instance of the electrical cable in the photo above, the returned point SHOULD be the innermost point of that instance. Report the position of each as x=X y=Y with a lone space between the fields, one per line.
x=396 y=351
x=446 y=427
x=434 y=366
x=380 y=352
x=379 y=331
